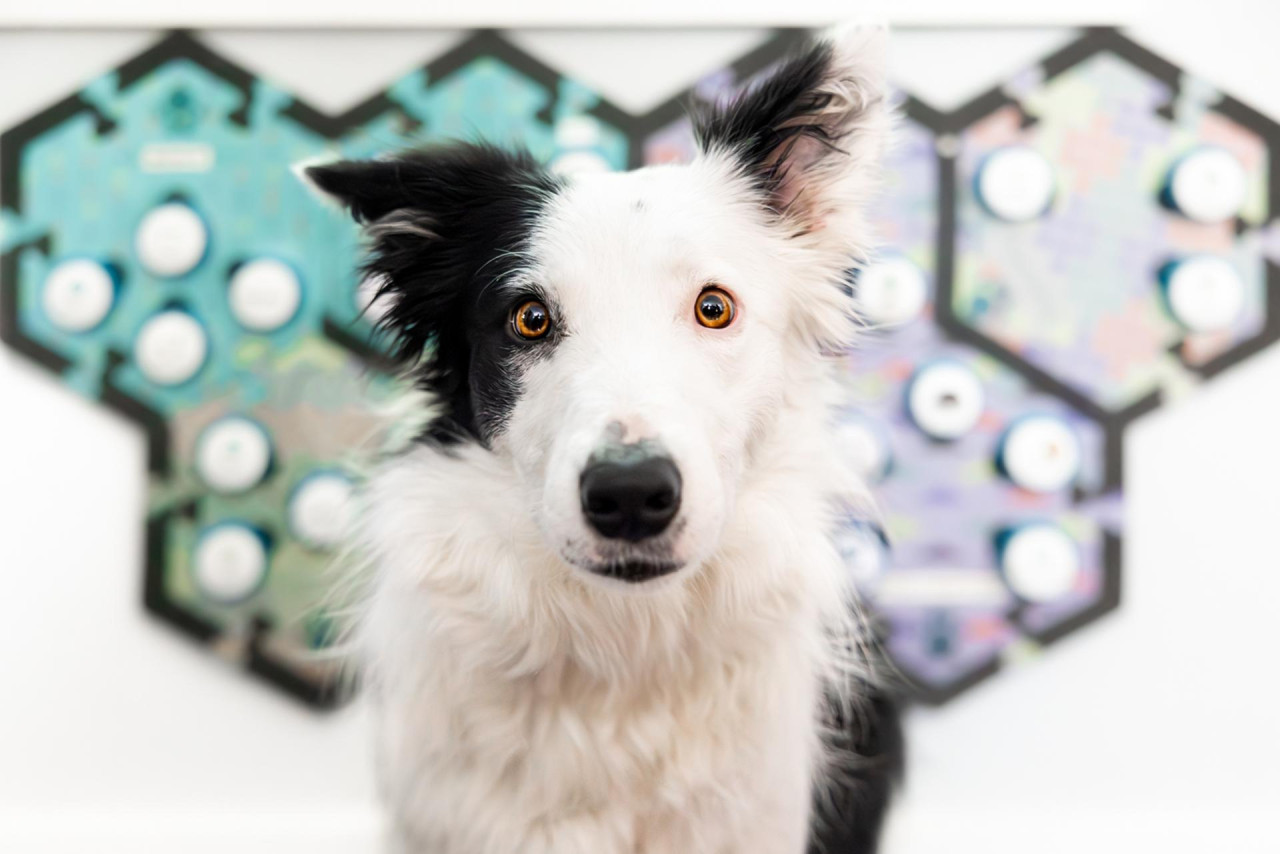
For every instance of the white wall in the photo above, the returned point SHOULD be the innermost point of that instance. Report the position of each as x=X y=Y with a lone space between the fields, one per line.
x=1152 y=730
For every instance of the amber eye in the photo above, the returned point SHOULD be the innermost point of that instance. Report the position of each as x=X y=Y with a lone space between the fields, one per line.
x=531 y=319
x=714 y=308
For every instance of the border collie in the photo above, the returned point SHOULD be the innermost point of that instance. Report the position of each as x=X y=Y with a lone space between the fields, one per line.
x=606 y=613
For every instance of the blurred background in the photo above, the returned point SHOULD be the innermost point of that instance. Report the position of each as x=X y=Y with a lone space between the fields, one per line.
x=1068 y=406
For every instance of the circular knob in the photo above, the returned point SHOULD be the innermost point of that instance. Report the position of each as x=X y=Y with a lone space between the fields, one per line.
x=1204 y=293
x=1015 y=183
x=170 y=348
x=78 y=294
x=264 y=294
x=1040 y=562
x=320 y=510
x=945 y=400
x=1040 y=453
x=171 y=240
x=891 y=291
x=1208 y=185
x=230 y=562
x=233 y=455
x=865 y=445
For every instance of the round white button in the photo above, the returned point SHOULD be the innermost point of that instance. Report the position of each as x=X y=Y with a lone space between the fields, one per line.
x=1205 y=293
x=78 y=294
x=264 y=294
x=320 y=510
x=577 y=132
x=891 y=291
x=1040 y=563
x=170 y=348
x=368 y=303
x=230 y=563
x=1016 y=183
x=864 y=552
x=866 y=448
x=1040 y=453
x=233 y=454
x=945 y=400
x=580 y=161
x=1208 y=185
x=171 y=240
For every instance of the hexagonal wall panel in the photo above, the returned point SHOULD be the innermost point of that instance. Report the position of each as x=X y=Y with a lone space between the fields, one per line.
x=1057 y=257
x=1142 y=263
x=160 y=257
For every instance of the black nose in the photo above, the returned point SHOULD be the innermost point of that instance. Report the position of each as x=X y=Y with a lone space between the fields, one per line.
x=631 y=500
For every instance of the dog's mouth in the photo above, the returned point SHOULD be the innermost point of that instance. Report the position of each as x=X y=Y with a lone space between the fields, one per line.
x=634 y=571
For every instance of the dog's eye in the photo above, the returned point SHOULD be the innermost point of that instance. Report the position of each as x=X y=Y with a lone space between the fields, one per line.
x=531 y=320
x=714 y=308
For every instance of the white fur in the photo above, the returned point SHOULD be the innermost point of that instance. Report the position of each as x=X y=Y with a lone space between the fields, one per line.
x=526 y=705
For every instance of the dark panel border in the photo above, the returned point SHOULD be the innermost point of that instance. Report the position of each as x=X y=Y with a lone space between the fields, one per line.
x=10 y=329
x=775 y=47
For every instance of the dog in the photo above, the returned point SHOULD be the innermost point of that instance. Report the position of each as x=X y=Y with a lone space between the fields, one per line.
x=605 y=613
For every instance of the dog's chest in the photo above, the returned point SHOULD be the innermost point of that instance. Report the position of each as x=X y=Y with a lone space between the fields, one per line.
x=677 y=761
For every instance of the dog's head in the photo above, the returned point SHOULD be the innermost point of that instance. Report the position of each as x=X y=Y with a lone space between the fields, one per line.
x=625 y=340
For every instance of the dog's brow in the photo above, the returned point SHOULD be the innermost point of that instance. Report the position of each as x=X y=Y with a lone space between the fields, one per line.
x=502 y=281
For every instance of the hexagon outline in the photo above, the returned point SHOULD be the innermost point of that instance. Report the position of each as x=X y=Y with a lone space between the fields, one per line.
x=177 y=44
x=1094 y=41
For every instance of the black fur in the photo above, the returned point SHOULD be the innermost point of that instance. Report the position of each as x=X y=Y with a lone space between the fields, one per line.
x=447 y=225
x=763 y=123
x=848 y=818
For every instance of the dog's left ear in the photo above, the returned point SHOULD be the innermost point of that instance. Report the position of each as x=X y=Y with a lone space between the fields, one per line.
x=810 y=136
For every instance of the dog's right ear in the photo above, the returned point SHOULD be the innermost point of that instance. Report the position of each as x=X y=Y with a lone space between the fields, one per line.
x=398 y=201
x=443 y=224
x=369 y=189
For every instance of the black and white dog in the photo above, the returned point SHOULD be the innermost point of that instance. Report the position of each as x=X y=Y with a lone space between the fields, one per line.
x=606 y=614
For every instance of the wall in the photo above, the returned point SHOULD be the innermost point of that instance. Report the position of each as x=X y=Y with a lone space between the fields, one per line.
x=1152 y=730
